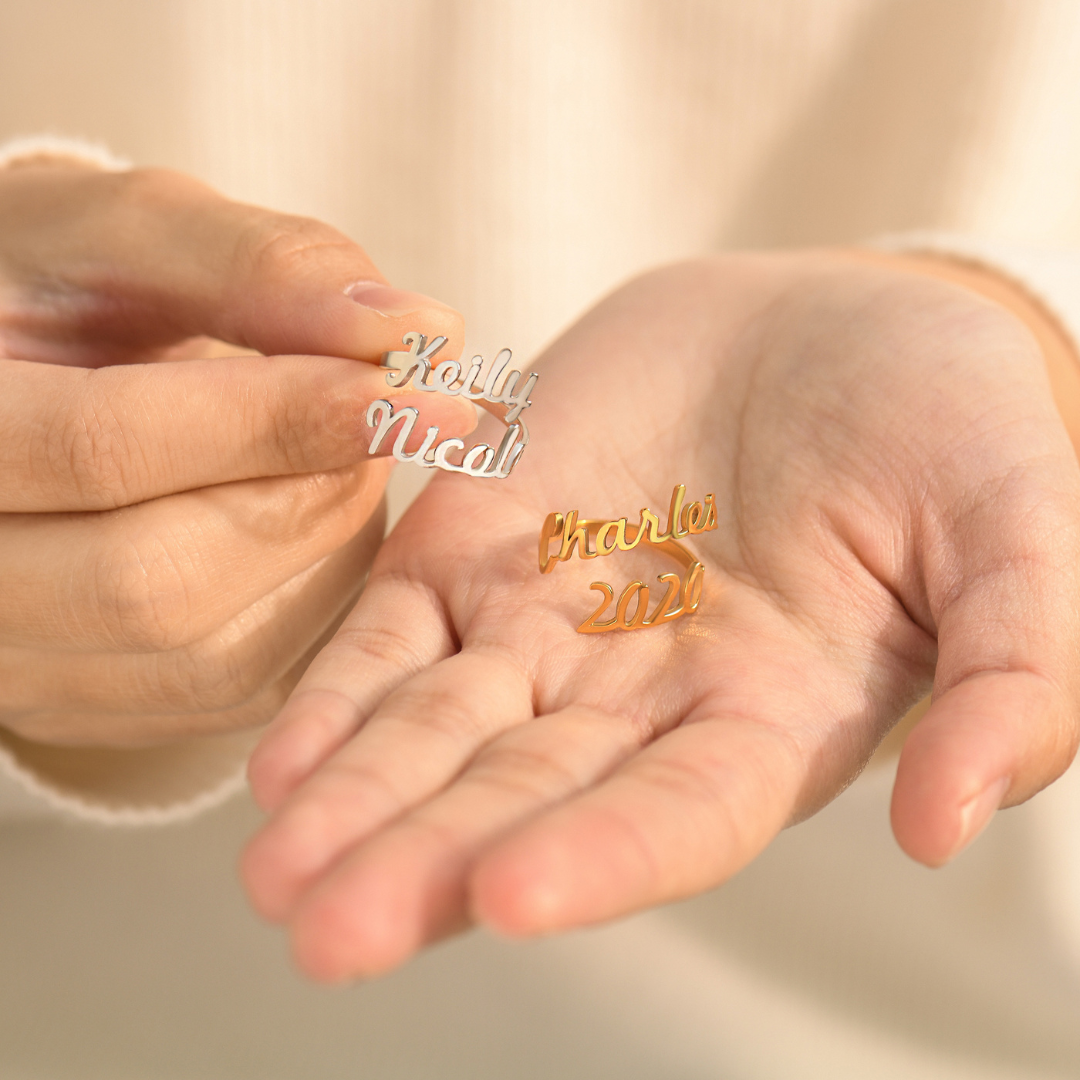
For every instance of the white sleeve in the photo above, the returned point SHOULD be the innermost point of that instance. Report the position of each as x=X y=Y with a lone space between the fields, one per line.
x=153 y=785
x=28 y=147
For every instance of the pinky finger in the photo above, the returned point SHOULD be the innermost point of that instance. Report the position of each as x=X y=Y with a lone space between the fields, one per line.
x=368 y=658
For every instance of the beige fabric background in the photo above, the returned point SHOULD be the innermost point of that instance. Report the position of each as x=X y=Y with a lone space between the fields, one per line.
x=132 y=955
x=517 y=158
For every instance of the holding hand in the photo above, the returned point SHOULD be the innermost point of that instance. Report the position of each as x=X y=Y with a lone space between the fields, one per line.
x=177 y=535
x=898 y=506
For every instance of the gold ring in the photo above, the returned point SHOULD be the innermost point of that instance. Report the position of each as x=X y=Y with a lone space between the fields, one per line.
x=611 y=536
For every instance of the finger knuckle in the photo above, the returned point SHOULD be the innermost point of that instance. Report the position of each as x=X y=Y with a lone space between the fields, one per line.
x=86 y=450
x=386 y=647
x=144 y=592
x=273 y=245
x=275 y=426
x=361 y=784
x=296 y=430
x=303 y=422
x=338 y=500
x=523 y=772
x=216 y=675
x=340 y=416
x=441 y=712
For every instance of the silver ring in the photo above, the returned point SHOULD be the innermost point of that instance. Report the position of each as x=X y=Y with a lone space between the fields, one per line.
x=446 y=378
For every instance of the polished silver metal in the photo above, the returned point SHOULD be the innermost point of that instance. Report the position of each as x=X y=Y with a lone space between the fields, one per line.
x=416 y=364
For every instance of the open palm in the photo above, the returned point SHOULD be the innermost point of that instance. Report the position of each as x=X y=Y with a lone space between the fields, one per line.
x=897 y=505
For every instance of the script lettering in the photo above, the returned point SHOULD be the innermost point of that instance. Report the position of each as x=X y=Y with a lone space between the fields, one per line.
x=481 y=460
x=688 y=591
x=611 y=536
x=415 y=365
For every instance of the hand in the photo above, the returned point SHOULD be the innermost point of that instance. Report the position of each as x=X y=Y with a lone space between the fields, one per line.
x=898 y=506
x=176 y=537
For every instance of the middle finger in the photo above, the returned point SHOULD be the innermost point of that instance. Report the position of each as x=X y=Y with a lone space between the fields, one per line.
x=163 y=574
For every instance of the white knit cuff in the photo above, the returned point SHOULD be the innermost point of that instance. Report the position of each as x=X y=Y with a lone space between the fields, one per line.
x=1050 y=276
x=155 y=785
x=26 y=147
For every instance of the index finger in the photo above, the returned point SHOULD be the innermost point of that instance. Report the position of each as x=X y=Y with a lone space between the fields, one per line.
x=76 y=439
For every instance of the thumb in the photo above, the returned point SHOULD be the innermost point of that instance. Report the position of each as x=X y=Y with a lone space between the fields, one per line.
x=1004 y=718
x=295 y=284
x=149 y=257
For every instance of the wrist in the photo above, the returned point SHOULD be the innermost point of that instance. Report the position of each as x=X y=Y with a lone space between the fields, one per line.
x=1058 y=350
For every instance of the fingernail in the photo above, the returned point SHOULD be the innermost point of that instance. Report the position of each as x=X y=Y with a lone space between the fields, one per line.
x=387 y=300
x=976 y=813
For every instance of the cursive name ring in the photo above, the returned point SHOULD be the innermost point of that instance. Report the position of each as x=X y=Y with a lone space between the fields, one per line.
x=682 y=594
x=480 y=383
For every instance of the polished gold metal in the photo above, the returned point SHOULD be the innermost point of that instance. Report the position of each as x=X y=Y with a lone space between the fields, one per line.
x=574 y=535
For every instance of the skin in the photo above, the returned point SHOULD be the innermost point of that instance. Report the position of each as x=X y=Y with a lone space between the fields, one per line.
x=899 y=513
x=178 y=534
